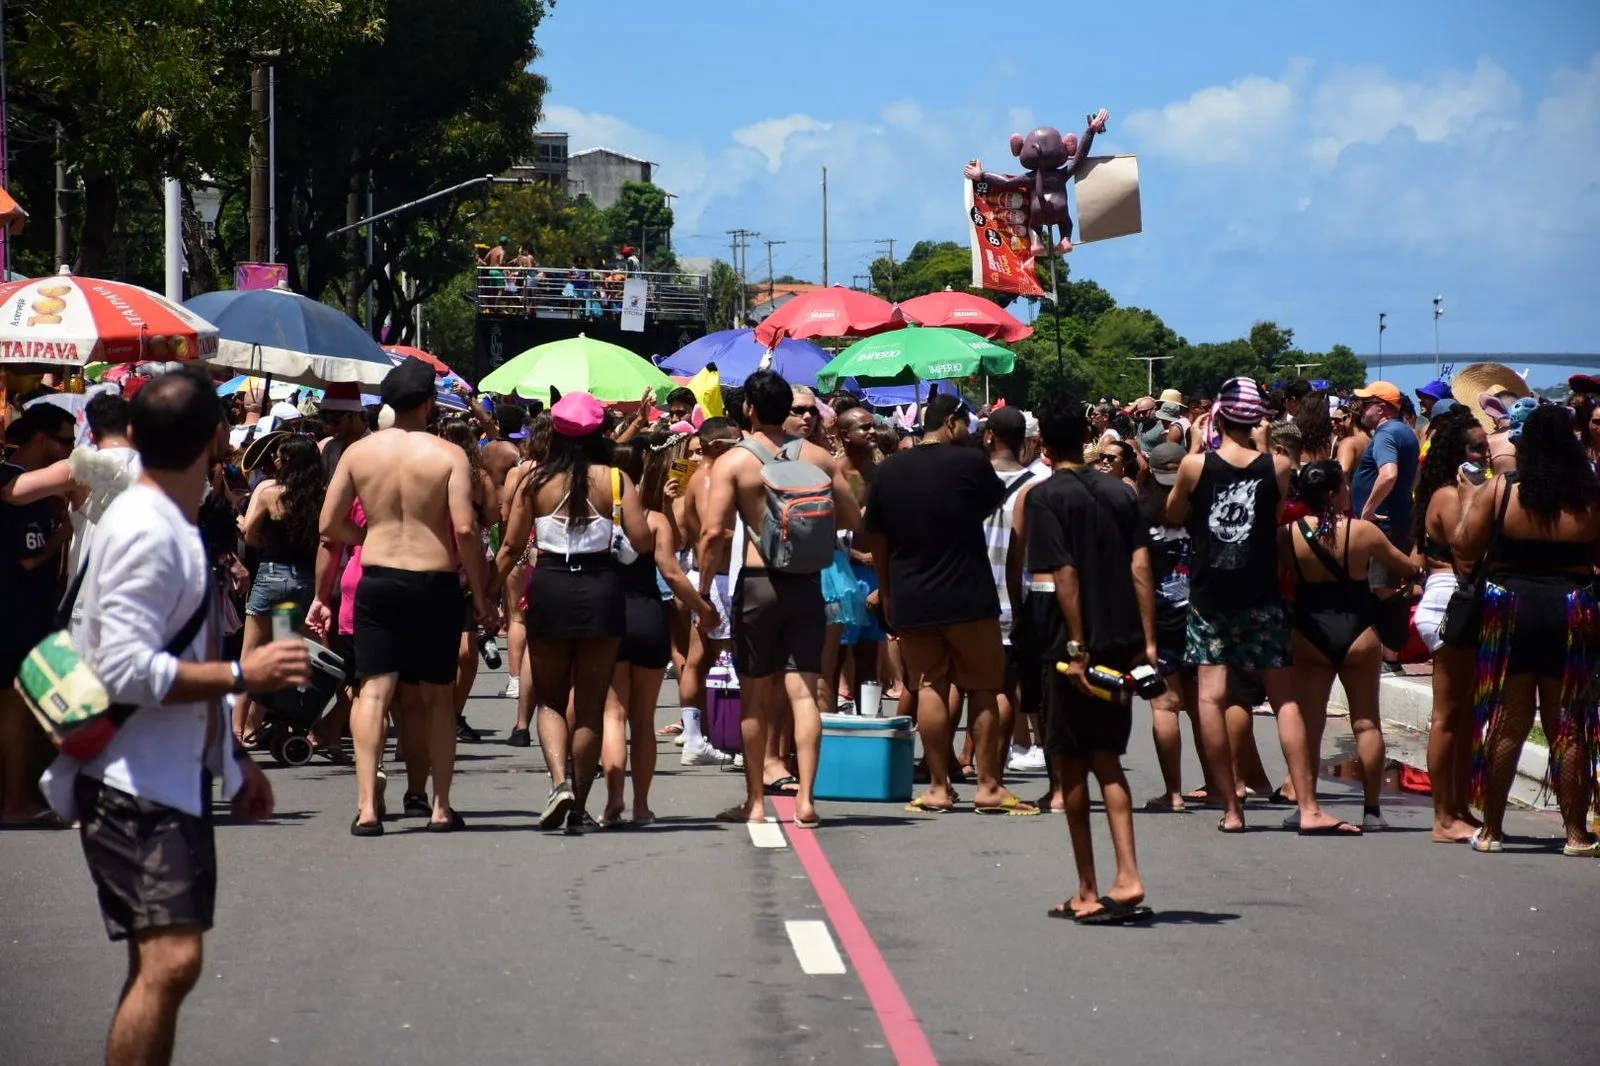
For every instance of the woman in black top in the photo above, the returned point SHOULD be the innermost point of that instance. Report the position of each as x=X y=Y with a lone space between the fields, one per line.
x=1541 y=623
x=281 y=523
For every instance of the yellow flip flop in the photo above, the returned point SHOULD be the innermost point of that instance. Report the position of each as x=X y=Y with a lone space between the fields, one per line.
x=1011 y=807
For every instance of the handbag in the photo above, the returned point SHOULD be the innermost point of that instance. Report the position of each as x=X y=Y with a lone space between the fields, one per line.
x=1463 y=613
x=64 y=693
x=621 y=547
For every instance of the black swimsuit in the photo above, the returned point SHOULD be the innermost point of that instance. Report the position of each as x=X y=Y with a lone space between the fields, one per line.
x=1332 y=615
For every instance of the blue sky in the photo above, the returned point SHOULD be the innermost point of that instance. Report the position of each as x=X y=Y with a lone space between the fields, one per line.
x=1309 y=163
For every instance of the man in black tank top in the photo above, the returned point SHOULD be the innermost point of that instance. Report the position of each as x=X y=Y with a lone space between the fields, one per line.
x=1231 y=500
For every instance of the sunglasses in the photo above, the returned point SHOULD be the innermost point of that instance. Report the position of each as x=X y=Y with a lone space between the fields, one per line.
x=67 y=441
x=801 y=411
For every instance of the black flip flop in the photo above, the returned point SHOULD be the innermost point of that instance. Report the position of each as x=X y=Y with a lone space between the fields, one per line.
x=416 y=805
x=1223 y=827
x=783 y=786
x=1337 y=829
x=1114 y=912
x=358 y=829
x=453 y=825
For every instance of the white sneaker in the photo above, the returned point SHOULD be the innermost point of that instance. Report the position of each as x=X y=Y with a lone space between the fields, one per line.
x=513 y=688
x=1024 y=761
x=703 y=754
x=738 y=760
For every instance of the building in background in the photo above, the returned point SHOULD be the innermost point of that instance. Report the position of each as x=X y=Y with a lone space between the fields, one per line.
x=598 y=173
x=548 y=164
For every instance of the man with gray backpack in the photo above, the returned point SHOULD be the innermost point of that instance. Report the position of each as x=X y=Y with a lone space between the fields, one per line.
x=777 y=503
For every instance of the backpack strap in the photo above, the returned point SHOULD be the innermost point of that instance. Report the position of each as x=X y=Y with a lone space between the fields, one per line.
x=1014 y=487
x=791 y=451
x=757 y=449
x=616 y=497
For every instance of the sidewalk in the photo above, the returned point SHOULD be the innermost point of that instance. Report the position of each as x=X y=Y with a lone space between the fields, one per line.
x=1406 y=704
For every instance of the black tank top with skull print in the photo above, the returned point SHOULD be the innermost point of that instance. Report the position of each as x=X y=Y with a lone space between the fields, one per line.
x=1233 y=517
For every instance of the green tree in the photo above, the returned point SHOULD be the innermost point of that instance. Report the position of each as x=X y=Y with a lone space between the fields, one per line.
x=642 y=218
x=722 y=284
x=1270 y=342
x=1123 y=336
x=931 y=266
x=449 y=323
x=1342 y=368
x=1198 y=370
x=556 y=227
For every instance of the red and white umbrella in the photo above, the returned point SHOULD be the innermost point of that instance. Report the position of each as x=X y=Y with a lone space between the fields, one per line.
x=72 y=321
x=831 y=312
x=963 y=310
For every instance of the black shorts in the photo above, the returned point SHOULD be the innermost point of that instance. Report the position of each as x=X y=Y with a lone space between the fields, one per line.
x=576 y=598
x=647 y=641
x=1022 y=670
x=154 y=867
x=1078 y=726
x=408 y=622
x=778 y=623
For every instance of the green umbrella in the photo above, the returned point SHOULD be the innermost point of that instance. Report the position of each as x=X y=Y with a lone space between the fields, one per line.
x=916 y=354
x=608 y=372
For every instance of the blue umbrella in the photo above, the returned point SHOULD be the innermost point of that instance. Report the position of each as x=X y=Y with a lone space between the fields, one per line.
x=738 y=354
x=903 y=395
x=283 y=335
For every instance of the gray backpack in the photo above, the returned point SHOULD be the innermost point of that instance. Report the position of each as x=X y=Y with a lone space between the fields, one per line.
x=797 y=532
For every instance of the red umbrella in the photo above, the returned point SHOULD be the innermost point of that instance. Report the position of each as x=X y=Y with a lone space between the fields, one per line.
x=74 y=321
x=832 y=312
x=963 y=310
x=402 y=351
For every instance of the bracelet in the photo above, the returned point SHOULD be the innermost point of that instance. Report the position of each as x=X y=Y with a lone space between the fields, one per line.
x=239 y=686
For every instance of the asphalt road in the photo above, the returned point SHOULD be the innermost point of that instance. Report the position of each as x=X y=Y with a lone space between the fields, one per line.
x=672 y=944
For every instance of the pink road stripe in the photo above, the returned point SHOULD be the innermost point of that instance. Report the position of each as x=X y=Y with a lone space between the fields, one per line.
x=906 y=1038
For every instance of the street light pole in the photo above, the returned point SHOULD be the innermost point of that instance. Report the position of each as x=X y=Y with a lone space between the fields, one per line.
x=1438 y=312
x=1381 y=328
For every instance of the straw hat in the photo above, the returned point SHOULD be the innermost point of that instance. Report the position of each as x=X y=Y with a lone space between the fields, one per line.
x=1471 y=382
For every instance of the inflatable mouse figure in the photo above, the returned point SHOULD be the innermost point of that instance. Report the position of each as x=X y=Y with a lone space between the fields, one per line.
x=1051 y=160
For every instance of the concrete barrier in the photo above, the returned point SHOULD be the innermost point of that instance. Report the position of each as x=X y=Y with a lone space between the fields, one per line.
x=1407 y=703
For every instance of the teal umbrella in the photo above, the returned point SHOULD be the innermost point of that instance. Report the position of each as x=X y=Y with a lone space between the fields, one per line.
x=608 y=372
x=916 y=354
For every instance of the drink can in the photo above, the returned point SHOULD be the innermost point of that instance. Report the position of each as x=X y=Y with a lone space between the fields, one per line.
x=283 y=615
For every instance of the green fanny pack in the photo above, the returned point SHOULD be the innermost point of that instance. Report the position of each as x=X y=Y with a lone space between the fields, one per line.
x=67 y=696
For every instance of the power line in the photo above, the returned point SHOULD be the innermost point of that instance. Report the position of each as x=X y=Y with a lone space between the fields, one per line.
x=739 y=247
x=890 y=242
x=771 y=294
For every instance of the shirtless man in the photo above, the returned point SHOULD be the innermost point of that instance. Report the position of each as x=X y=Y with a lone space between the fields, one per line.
x=417 y=492
x=345 y=420
x=717 y=437
x=778 y=617
x=500 y=453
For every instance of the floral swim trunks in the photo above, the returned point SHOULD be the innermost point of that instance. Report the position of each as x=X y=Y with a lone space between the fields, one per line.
x=1255 y=638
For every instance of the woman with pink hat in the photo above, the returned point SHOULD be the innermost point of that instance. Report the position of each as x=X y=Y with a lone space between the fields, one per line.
x=585 y=520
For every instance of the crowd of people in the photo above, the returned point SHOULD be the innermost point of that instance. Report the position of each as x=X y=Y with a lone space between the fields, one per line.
x=1030 y=570
x=516 y=283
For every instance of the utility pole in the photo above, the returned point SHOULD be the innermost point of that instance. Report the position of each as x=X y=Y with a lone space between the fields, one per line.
x=1438 y=312
x=740 y=249
x=1150 y=362
x=890 y=242
x=771 y=289
x=62 y=237
x=824 y=227
x=259 y=179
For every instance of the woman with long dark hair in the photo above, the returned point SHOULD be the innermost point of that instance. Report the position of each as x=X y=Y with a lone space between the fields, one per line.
x=629 y=736
x=1538 y=634
x=1316 y=428
x=585 y=523
x=1333 y=617
x=1586 y=423
x=1457 y=439
x=535 y=445
x=281 y=522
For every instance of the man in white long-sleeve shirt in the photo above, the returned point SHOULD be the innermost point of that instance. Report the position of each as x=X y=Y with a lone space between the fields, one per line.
x=145 y=800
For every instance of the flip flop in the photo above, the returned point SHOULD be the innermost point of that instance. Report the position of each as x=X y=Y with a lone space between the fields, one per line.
x=1164 y=806
x=782 y=786
x=454 y=824
x=1224 y=827
x=640 y=823
x=1114 y=912
x=607 y=822
x=734 y=815
x=368 y=829
x=1337 y=829
x=1011 y=806
x=920 y=805
x=1483 y=844
x=806 y=823
x=671 y=729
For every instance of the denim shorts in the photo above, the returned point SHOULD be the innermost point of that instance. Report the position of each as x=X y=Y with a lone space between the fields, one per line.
x=277 y=583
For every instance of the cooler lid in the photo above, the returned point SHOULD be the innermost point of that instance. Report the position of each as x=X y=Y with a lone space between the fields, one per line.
x=846 y=722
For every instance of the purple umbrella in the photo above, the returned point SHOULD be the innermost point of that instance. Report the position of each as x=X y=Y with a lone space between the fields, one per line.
x=738 y=354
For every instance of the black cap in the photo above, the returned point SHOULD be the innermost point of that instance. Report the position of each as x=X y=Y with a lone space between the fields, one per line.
x=940 y=409
x=408 y=385
x=1007 y=423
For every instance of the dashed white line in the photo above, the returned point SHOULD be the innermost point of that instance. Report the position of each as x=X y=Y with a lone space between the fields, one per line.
x=767 y=834
x=813 y=946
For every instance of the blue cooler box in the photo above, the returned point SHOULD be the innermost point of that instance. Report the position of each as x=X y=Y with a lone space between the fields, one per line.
x=866 y=759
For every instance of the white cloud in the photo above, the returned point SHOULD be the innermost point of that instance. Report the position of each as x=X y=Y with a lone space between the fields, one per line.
x=1363 y=105
x=1219 y=124
x=771 y=136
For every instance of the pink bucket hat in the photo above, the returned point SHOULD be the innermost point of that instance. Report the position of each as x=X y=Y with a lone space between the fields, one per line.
x=577 y=414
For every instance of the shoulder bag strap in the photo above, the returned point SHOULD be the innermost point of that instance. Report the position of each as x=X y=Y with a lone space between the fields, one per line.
x=616 y=497
x=1323 y=555
x=1480 y=572
x=64 y=610
x=119 y=713
x=1011 y=489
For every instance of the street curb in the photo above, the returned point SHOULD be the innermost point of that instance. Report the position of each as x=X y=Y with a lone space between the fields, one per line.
x=1407 y=702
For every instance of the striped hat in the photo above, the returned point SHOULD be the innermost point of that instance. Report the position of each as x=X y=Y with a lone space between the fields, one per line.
x=1239 y=401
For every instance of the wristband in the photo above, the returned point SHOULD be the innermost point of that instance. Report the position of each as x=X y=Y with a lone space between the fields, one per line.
x=239 y=686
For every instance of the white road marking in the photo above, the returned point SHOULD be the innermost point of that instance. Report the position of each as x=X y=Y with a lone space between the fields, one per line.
x=767 y=834
x=813 y=946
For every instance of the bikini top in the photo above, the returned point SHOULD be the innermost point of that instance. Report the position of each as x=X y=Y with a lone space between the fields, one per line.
x=1537 y=554
x=1433 y=549
x=558 y=534
x=1340 y=572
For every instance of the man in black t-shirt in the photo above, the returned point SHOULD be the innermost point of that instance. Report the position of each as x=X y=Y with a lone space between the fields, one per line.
x=925 y=524
x=33 y=533
x=1092 y=602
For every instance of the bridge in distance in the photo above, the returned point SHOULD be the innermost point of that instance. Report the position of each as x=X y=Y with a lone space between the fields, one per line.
x=1458 y=360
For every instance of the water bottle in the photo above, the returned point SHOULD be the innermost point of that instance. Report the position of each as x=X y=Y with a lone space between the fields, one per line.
x=489 y=648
